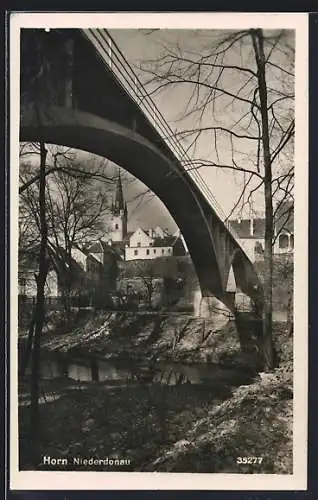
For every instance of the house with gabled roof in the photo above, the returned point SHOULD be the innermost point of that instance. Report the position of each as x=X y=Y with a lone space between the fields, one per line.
x=27 y=272
x=152 y=243
x=95 y=266
x=138 y=244
x=104 y=257
x=88 y=272
x=250 y=232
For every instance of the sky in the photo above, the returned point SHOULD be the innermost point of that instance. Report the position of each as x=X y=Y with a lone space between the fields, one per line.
x=140 y=46
x=137 y=47
x=144 y=208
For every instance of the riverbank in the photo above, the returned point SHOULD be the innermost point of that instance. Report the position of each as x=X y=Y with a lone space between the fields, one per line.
x=181 y=427
x=149 y=336
x=250 y=432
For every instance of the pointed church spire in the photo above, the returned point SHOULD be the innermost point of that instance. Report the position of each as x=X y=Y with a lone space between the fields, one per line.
x=119 y=197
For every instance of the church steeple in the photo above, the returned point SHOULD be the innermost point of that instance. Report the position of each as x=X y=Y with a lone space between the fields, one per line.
x=119 y=196
x=119 y=213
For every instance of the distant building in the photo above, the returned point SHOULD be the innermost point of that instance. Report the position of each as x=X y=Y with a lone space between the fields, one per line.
x=152 y=243
x=103 y=259
x=284 y=228
x=27 y=283
x=94 y=269
x=91 y=272
x=28 y=271
x=251 y=232
x=140 y=243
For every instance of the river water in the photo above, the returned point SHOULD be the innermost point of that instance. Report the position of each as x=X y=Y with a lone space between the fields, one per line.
x=94 y=369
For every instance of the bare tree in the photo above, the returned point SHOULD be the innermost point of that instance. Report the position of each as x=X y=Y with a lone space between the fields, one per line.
x=239 y=92
x=76 y=206
x=62 y=159
x=39 y=308
x=146 y=271
x=34 y=191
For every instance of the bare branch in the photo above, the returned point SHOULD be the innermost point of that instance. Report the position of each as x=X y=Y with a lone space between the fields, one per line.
x=236 y=204
x=179 y=80
x=284 y=70
x=197 y=164
x=183 y=133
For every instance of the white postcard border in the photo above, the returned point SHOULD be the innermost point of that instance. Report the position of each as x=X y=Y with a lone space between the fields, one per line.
x=43 y=480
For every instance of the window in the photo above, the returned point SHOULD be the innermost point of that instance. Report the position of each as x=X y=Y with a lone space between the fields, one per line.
x=163 y=251
x=154 y=250
x=135 y=252
x=147 y=251
x=150 y=244
x=169 y=250
x=283 y=241
x=116 y=226
x=138 y=243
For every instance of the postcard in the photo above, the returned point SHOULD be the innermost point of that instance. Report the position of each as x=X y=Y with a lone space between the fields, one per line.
x=159 y=232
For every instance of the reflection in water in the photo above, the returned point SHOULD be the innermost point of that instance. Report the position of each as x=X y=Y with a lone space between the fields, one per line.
x=80 y=372
x=52 y=368
x=165 y=373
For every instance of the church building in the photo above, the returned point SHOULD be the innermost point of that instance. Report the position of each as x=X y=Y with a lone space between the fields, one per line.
x=140 y=243
x=119 y=219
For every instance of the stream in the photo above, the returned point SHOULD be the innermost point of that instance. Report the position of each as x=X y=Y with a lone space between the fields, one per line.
x=94 y=369
x=125 y=407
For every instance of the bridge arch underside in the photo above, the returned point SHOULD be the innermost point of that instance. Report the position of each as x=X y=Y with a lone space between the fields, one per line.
x=213 y=250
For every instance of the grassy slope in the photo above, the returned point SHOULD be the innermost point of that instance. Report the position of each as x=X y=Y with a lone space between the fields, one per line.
x=256 y=421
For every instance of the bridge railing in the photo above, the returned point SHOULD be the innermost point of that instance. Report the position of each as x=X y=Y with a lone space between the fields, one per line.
x=128 y=79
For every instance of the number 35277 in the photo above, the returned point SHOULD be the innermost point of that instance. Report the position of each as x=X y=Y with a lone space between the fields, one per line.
x=249 y=460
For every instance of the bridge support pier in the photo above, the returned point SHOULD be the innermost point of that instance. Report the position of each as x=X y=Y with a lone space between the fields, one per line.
x=211 y=308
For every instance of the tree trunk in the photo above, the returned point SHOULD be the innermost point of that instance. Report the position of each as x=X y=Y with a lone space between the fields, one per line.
x=149 y=288
x=29 y=345
x=268 y=348
x=40 y=306
x=68 y=278
x=290 y=321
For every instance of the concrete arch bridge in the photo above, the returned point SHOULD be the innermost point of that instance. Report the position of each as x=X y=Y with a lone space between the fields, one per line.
x=77 y=90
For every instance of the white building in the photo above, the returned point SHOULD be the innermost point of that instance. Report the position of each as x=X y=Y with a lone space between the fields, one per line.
x=251 y=232
x=141 y=243
x=149 y=244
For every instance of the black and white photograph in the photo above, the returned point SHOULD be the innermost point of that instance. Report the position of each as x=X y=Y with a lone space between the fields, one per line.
x=158 y=250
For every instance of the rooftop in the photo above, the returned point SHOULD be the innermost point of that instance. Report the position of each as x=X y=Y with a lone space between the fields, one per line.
x=253 y=228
